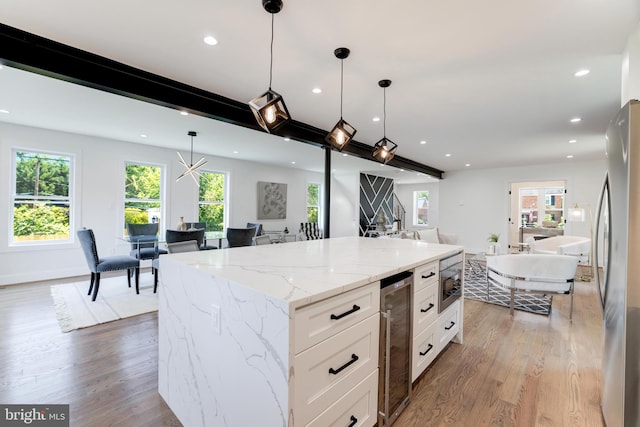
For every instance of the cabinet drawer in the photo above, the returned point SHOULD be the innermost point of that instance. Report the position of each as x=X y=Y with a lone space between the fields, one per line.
x=425 y=308
x=425 y=349
x=323 y=319
x=448 y=324
x=327 y=371
x=359 y=408
x=425 y=275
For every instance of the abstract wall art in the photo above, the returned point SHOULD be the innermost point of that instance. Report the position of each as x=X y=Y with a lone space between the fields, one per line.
x=272 y=200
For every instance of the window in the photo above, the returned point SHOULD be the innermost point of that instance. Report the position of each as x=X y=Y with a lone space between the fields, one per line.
x=142 y=194
x=212 y=202
x=313 y=202
x=41 y=197
x=420 y=208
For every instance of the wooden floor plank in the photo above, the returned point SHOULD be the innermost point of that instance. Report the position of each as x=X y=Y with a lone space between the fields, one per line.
x=529 y=370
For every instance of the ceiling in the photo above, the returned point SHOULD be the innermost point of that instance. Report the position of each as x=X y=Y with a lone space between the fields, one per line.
x=484 y=84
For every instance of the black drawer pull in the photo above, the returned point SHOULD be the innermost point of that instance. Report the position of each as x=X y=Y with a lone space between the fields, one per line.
x=354 y=358
x=450 y=326
x=353 y=422
x=346 y=313
x=427 y=351
x=430 y=275
x=424 y=310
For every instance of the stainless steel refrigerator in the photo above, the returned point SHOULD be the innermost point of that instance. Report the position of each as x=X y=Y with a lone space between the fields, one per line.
x=617 y=251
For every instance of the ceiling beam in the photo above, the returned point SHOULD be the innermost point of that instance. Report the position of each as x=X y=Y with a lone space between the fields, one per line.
x=29 y=52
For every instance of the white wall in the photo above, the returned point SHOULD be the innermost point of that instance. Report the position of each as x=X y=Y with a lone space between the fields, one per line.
x=99 y=196
x=474 y=204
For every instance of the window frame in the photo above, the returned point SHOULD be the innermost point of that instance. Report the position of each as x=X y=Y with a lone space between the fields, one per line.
x=225 y=197
x=318 y=205
x=415 y=208
x=71 y=199
x=162 y=200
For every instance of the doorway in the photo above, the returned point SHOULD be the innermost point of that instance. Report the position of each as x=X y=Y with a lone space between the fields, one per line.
x=537 y=210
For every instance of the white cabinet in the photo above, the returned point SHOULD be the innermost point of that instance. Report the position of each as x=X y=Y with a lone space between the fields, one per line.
x=336 y=342
x=431 y=331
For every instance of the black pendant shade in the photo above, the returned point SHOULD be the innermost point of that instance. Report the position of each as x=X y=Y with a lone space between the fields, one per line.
x=269 y=108
x=342 y=133
x=385 y=149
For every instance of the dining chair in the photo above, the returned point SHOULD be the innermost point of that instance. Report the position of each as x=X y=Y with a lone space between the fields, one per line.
x=184 y=246
x=262 y=240
x=144 y=241
x=197 y=234
x=201 y=225
x=240 y=236
x=258 y=227
x=99 y=264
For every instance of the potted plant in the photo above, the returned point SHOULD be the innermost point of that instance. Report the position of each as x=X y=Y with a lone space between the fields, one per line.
x=493 y=243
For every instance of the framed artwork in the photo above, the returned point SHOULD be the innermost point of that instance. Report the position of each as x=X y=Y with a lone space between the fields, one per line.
x=272 y=200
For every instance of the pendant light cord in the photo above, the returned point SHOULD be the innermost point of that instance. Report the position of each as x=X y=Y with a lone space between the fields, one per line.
x=341 y=84
x=384 y=112
x=191 y=150
x=271 y=62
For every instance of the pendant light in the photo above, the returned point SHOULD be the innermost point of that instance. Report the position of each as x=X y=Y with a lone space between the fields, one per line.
x=269 y=108
x=385 y=149
x=191 y=167
x=342 y=133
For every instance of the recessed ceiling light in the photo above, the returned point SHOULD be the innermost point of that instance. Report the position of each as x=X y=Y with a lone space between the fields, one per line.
x=143 y=135
x=293 y=163
x=570 y=156
x=316 y=90
x=184 y=113
x=210 y=40
x=376 y=119
x=401 y=170
x=467 y=164
x=447 y=155
x=344 y=154
x=4 y=111
x=581 y=73
x=573 y=141
x=235 y=151
x=423 y=142
x=287 y=139
x=576 y=120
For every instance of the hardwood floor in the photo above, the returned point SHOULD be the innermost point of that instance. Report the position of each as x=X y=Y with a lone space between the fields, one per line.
x=529 y=370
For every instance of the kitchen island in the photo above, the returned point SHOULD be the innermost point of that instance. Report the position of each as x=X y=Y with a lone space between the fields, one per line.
x=246 y=334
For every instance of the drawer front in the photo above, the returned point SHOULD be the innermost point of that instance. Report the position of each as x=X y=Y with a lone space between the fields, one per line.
x=425 y=349
x=425 y=275
x=323 y=319
x=425 y=308
x=327 y=371
x=359 y=408
x=448 y=324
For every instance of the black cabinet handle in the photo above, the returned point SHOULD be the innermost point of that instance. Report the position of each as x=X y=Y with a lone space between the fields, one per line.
x=346 y=313
x=427 y=351
x=430 y=275
x=424 y=310
x=450 y=326
x=353 y=422
x=354 y=358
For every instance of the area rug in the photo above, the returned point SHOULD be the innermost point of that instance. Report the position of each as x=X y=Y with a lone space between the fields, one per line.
x=75 y=310
x=475 y=287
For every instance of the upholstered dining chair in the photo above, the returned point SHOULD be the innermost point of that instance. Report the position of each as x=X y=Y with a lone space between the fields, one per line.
x=204 y=246
x=144 y=241
x=99 y=265
x=262 y=240
x=197 y=234
x=532 y=273
x=258 y=227
x=240 y=236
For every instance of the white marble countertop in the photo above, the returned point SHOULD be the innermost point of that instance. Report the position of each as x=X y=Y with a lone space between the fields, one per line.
x=308 y=271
